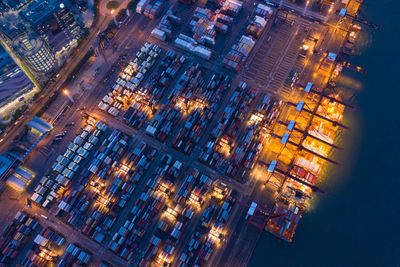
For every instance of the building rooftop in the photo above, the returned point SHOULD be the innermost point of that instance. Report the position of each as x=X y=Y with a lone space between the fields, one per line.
x=58 y=41
x=15 y=4
x=12 y=25
x=20 y=178
x=6 y=162
x=39 y=125
x=38 y=11
x=26 y=45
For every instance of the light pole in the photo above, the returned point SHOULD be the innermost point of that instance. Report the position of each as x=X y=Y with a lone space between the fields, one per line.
x=115 y=19
x=66 y=92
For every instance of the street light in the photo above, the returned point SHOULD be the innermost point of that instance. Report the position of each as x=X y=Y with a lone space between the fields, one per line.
x=115 y=19
x=66 y=92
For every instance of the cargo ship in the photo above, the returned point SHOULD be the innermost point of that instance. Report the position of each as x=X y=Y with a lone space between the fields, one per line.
x=348 y=47
x=300 y=181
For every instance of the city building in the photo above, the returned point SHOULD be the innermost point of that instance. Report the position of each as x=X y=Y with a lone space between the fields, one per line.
x=3 y=7
x=14 y=4
x=57 y=24
x=40 y=35
x=20 y=178
x=35 y=52
x=29 y=50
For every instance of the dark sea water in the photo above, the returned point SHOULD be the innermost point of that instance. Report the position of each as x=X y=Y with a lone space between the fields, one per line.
x=358 y=223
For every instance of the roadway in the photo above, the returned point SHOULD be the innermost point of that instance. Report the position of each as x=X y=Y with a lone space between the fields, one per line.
x=98 y=252
x=14 y=130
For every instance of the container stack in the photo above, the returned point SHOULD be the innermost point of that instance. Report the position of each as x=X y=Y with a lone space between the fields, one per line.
x=193 y=190
x=202 y=13
x=43 y=251
x=220 y=27
x=200 y=115
x=176 y=217
x=15 y=235
x=151 y=93
x=48 y=237
x=164 y=28
x=263 y=11
x=285 y=225
x=152 y=199
x=128 y=81
x=74 y=256
x=242 y=149
x=212 y=153
x=162 y=124
x=256 y=26
x=210 y=231
x=252 y=130
x=189 y=44
x=231 y=7
x=260 y=120
x=239 y=52
x=225 y=19
x=153 y=10
x=216 y=3
x=94 y=206
x=251 y=143
x=157 y=85
x=68 y=164
x=203 y=31
x=141 y=5
x=103 y=189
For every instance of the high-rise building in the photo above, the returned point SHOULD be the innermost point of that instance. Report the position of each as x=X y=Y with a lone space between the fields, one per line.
x=29 y=50
x=15 y=4
x=34 y=50
x=57 y=24
x=40 y=35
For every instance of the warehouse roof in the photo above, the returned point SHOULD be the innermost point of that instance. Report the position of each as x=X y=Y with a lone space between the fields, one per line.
x=39 y=125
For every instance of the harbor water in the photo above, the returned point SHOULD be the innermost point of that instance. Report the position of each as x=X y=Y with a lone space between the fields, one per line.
x=358 y=222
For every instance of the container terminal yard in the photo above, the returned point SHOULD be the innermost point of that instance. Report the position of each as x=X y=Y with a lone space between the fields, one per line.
x=203 y=125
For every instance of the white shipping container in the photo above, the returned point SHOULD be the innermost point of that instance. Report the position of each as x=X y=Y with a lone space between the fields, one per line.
x=159 y=34
x=36 y=198
x=260 y=20
x=183 y=44
x=150 y=130
x=187 y=39
x=203 y=52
